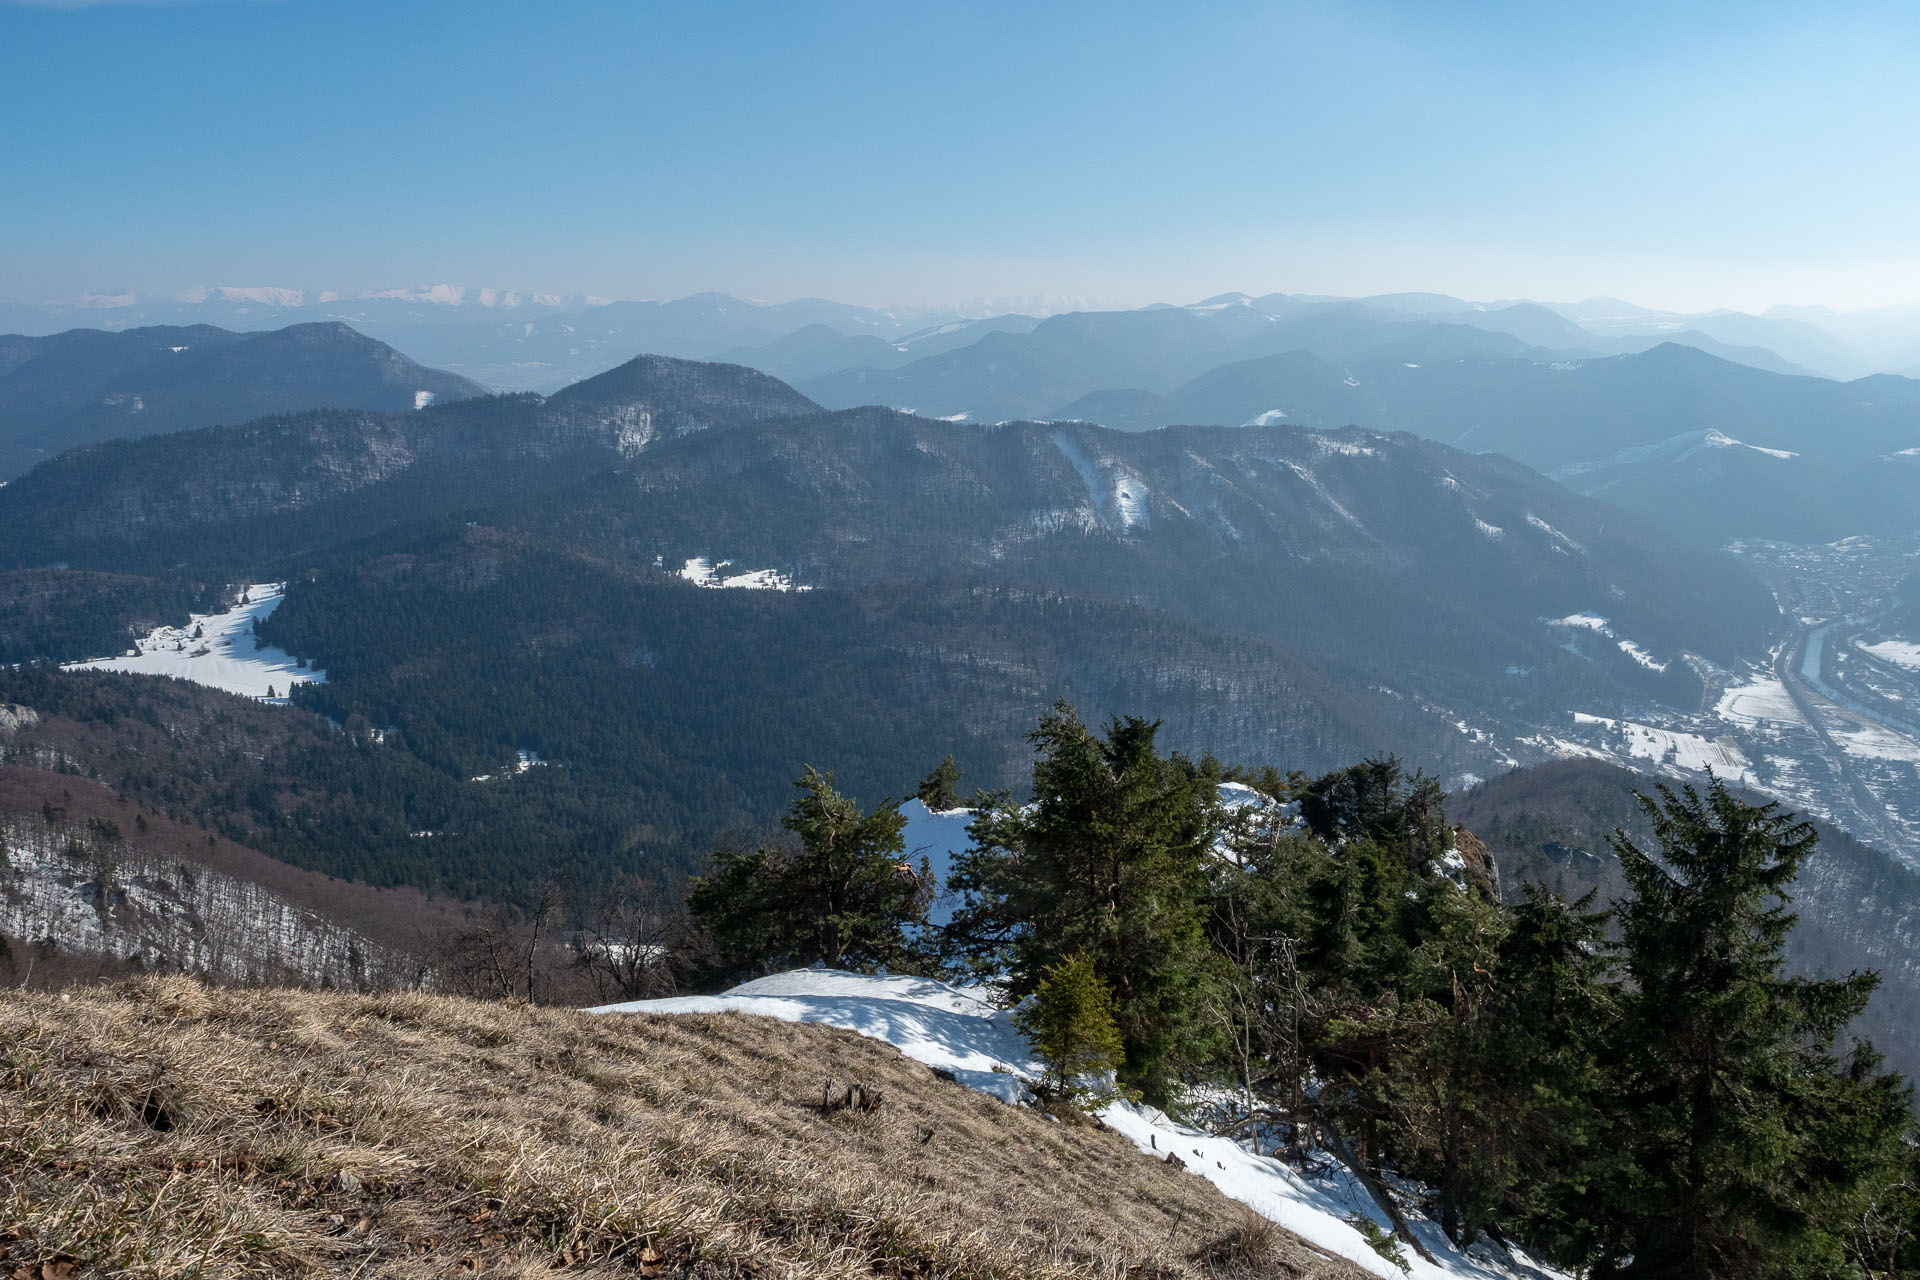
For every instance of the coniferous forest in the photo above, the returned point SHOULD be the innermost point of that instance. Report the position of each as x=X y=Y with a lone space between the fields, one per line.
x=1324 y=964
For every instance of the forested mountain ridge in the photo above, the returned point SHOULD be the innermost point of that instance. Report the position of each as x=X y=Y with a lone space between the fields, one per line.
x=159 y=501
x=505 y=574
x=1709 y=448
x=85 y=385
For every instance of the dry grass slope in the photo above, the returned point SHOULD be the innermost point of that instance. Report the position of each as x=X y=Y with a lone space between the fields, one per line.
x=160 y=1127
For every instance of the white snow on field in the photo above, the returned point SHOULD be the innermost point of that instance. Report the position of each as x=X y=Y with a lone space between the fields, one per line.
x=1901 y=653
x=1271 y=418
x=1762 y=700
x=1673 y=746
x=959 y=1030
x=1872 y=742
x=951 y=1028
x=222 y=656
x=1588 y=621
x=421 y=399
x=702 y=572
x=1493 y=531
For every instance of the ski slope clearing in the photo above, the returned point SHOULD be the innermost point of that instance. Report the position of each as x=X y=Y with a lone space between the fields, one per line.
x=217 y=650
x=959 y=1030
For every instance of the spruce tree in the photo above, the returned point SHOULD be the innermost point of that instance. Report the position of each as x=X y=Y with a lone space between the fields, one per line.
x=1108 y=860
x=843 y=896
x=1070 y=1022
x=938 y=790
x=1751 y=1144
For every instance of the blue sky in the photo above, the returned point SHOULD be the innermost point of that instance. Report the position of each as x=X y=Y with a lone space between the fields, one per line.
x=1684 y=155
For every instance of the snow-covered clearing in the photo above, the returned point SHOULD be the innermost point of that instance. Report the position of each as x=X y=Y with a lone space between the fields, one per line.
x=1673 y=746
x=1763 y=700
x=1873 y=742
x=1901 y=653
x=702 y=572
x=217 y=650
x=1589 y=621
x=956 y=1029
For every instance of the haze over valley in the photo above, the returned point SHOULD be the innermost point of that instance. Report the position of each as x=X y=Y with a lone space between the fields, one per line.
x=1293 y=630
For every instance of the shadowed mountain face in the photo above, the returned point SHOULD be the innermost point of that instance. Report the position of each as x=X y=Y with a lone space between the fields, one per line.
x=86 y=385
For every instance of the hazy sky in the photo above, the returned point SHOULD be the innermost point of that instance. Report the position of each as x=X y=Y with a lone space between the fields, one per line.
x=1687 y=155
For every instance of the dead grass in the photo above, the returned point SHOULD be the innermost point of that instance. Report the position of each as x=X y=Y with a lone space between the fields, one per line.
x=162 y=1128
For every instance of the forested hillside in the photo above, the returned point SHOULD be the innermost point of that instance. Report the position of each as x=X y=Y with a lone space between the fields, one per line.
x=87 y=385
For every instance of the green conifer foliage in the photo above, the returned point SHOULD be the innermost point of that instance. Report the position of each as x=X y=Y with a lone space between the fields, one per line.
x=1752 y=1146
x=844 y=896
x=1070 y=1020
x=1108 y=861
x=939 y=789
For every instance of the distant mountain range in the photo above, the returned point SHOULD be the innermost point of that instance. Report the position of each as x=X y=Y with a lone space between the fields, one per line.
x=86 y=385
x=512 y=340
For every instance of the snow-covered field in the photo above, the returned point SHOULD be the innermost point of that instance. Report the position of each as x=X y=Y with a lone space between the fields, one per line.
x=1873 y=742
x=703 y=573
x=1672 y=746
x=217 y=649
x=1761 y=701
x=1901 y=653
x=956 y=1029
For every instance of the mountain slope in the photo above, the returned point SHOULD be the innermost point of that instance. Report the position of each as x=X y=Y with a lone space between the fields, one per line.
x=1712 y=449
x=86 y=385
x=225 y=497
x=1032 y=374
x=412 y=1134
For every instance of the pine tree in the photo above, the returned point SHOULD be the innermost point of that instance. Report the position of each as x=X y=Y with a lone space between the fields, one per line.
x=1109 y=861
x=845 y=896
x=1751 y=1143
x=1070 y=1022
x=938 y=789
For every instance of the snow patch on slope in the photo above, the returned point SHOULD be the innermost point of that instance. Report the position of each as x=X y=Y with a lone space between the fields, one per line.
x=1720 y=440
x=959 y=1030
x=701 y=572
x=1111 y=488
